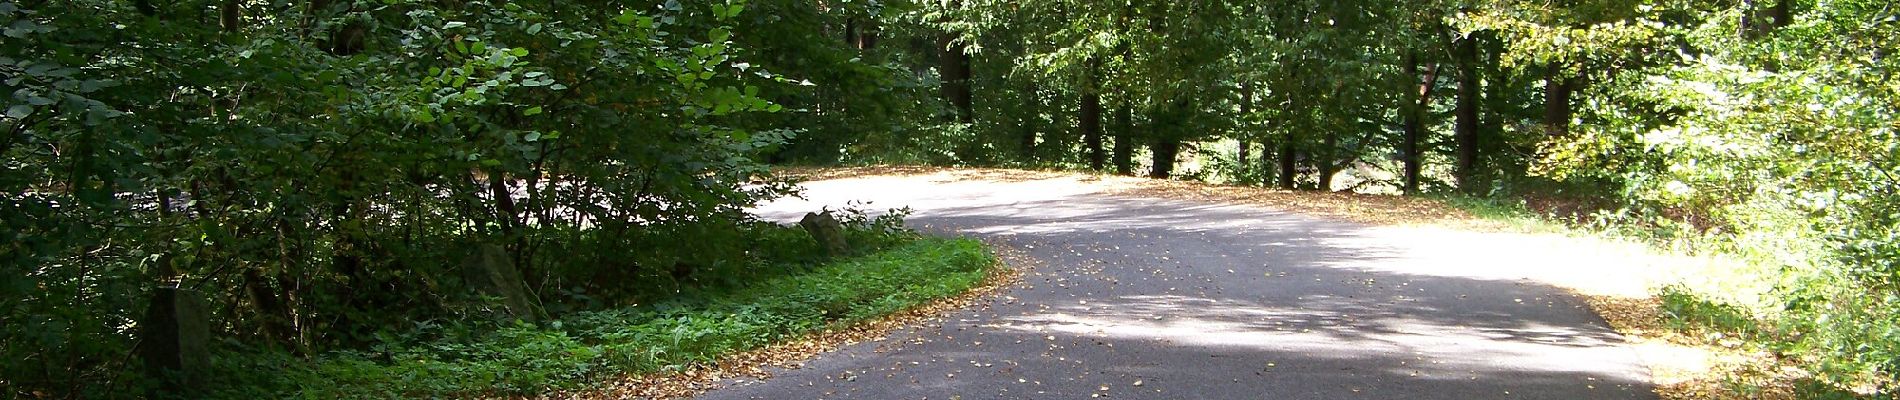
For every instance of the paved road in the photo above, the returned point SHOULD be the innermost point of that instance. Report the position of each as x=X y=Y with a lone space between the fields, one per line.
x=1144 y=298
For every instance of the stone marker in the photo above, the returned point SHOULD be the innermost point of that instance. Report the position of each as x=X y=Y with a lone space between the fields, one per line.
x=175 y=341
x=827 y=231
x=492 y=273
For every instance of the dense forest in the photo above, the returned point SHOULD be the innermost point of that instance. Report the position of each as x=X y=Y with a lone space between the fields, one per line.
x=319 y=170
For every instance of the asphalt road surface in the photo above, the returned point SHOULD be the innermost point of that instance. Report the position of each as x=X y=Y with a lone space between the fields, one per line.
x=1142 y=298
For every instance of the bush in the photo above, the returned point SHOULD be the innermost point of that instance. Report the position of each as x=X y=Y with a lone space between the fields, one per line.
x=1778 y=147
x=1684 y=310
x=316 y=171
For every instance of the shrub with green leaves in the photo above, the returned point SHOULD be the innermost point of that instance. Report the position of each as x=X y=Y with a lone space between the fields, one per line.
x=1777 y=142
x=590 y=346
x=317 y=169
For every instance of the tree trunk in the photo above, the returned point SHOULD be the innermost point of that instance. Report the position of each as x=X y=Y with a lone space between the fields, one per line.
x=1246 y=108
x=1465 y=130
x=1780 y=15
x=1166 y=124
x=1124 y=141
x=861 y=36
x=1165 y=151
x=851 y=32
x=1327 y=163
x=1415 y=122
x=276 y=315
x=1268 y=172
x=1240 y=160
x=867 y=38
x=1090 y=120
x=1557 y=89
x=1026 y=138
x=231 y=16
x=1288 y=168
x=954 y=68
x=1408 y=148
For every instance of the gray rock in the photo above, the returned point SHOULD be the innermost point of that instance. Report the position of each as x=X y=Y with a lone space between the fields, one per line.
x=827 y=231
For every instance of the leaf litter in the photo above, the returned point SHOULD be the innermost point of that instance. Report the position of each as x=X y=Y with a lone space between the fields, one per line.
x=758 y=364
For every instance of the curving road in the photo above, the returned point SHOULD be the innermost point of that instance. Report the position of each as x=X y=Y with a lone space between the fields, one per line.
x=1142 y=298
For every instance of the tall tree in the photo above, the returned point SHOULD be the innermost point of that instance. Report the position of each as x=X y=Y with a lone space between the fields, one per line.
x=954 y=66
x=1246 y=109
x=1089 y=117
x=1465 y=130
x=1289 y=163
x=1165 y=152
x=1124 y=156
x=1558 y=85
x=1415 y=126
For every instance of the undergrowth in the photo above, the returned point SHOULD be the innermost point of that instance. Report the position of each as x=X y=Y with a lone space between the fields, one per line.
x=1785 y=298
x=522 y=358
x=1513 y=215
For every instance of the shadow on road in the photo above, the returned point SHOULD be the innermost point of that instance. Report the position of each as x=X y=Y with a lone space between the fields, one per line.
x=1148 y=298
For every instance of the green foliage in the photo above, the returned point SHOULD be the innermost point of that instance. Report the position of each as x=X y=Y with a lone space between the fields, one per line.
x=1685 y=310
x=1844 y=331
x=317 y=169
x=854 y=65
x=1778 y=145
x=589 y=346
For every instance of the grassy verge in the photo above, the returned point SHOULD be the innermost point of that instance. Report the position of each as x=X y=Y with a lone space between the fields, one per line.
x=1513 y=217
x=1734 y=332
x=584 y=347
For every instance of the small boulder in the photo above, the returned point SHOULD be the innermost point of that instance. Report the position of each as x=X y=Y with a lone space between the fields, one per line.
x=827 y=231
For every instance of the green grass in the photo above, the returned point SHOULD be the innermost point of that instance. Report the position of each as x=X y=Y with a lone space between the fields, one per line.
x=1513 y=216
x=1684 y=310
x=583 y=347
x=1776 y=294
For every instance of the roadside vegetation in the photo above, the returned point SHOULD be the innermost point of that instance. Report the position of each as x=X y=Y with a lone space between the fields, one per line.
x=346 y=184
x=1768 y=328
x=582 y=349
x=388 y=199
